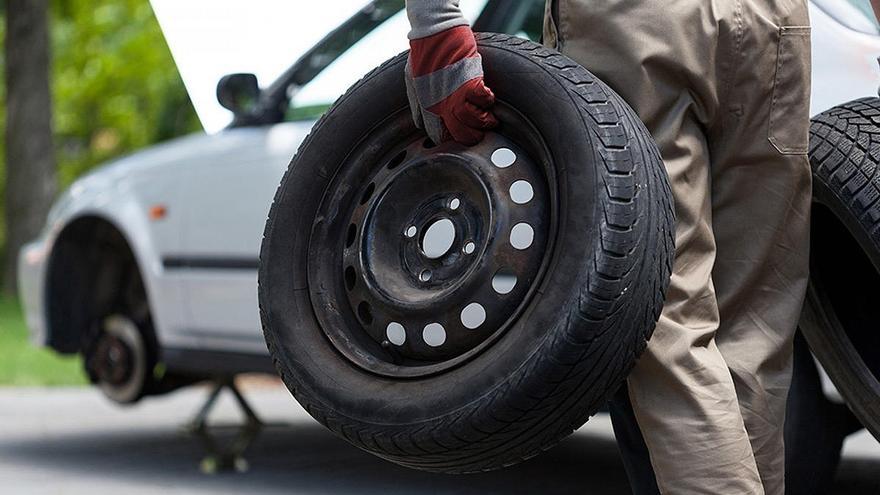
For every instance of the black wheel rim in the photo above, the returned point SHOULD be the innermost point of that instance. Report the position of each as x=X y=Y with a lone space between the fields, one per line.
x=436 y=252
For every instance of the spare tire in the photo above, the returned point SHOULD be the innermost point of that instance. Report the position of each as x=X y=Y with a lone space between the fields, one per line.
x=841 y=311
x=482 y=349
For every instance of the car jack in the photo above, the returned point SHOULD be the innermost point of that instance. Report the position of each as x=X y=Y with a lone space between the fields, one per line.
x=225 y=457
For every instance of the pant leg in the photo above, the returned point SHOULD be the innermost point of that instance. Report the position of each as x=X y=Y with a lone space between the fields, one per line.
x=761 y=205
x=668 y=58
x=631 y=443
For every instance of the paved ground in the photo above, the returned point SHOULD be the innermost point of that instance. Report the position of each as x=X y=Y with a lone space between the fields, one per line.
x=73 y=441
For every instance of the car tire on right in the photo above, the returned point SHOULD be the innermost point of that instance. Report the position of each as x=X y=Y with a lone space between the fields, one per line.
x=841 y=311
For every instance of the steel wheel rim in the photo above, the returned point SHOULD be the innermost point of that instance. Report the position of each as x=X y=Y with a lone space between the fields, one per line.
x=389 y=325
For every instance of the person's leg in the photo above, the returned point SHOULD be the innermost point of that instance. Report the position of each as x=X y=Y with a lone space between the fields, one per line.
x=761 y=210
x=667 y=58
x=631 y=443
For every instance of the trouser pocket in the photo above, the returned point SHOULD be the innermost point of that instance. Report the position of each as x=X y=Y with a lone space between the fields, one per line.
x=790 y=104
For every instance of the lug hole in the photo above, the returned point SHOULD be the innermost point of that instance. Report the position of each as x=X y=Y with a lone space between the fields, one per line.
x=521 y=236
x=521 y=192
x=365 y=313
x=434 y=334
x=469 y=248
x=473 y=315
x=396 y=333
x=350 y=278
x=504 y=281
x=368 y=193
x=350 y=237
x=411 y=231
x=425 y=276
x=397 y=160
x=503 y=157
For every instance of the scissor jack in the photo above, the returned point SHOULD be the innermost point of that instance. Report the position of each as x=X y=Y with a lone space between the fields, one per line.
x=225 y=457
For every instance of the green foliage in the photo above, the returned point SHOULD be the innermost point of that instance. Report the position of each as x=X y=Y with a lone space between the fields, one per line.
x=115 y=85
x=26 y=365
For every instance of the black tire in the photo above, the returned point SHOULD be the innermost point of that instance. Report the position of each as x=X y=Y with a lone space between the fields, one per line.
x=579 y=333
x=841 y=311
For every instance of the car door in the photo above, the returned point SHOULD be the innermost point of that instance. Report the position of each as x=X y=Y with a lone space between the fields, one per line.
x=225 y=203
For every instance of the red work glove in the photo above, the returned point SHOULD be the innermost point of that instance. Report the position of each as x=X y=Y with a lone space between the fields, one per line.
x=445 y=87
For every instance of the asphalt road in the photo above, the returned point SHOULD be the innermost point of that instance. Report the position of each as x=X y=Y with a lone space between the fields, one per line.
x=72 y=441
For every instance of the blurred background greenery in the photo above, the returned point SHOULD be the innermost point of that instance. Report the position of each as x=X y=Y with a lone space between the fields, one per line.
x=114 y=89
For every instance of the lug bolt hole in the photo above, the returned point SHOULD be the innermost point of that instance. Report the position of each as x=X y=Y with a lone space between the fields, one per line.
x=425 y=276
x=469 y=248
x=504 y=281
x=350 y=278
x=368 y=193
x=365 y=313
x=396 y=333
x=411 y=231
x=454 y=204
x=503 y=157
x=352 y=234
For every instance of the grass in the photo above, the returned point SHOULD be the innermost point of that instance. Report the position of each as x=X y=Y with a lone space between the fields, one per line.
x=23 y=364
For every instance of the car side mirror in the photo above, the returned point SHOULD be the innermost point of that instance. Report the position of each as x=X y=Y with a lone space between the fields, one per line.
x=238 y=93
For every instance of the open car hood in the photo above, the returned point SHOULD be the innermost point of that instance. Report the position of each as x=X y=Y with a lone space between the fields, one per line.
x=211 y=38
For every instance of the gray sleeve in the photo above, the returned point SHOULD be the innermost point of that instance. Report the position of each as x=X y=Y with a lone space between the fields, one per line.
x=429 y=17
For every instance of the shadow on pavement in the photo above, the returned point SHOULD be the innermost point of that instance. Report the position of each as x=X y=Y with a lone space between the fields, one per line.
x=305 y=458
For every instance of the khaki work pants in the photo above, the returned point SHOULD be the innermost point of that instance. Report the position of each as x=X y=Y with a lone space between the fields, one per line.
x=723 y=86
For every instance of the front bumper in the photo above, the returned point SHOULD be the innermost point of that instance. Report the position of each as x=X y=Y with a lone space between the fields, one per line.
x=32 y=266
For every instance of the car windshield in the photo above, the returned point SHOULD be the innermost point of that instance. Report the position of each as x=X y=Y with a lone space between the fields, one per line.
x=388 y=39
x=854 y=14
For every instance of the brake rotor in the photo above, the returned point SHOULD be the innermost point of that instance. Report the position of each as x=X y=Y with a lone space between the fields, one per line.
x=120 y=359
x=441 y=246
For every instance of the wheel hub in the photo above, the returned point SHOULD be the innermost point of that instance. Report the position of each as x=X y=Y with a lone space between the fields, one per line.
x=444 y=245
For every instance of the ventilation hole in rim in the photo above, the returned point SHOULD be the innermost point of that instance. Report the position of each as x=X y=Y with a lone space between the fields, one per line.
x=365 y=313
x=469 y=248
x=438 y=239
x=397 y=160
x=368 y=193
x=503 y=157
x=396 y=333
x=521 y=192
x=473 y=315
x=504 y=281
x=411 y=231
x=434 y=334
x=350 y=278
x=350 y=237
x=521 y=236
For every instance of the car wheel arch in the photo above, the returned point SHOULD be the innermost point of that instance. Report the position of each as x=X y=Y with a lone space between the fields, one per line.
x=85 y=252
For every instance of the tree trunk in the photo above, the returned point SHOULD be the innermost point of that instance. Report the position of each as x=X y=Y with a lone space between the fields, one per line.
x=30 y=160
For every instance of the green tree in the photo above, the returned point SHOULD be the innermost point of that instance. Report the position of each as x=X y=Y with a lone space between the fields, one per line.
x=30 y=164
x=114 y=84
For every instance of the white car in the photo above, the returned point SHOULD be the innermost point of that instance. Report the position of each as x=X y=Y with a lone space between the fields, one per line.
x=148 y=265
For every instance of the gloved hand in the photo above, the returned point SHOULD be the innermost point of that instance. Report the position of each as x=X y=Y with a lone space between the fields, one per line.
x=444 y=74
